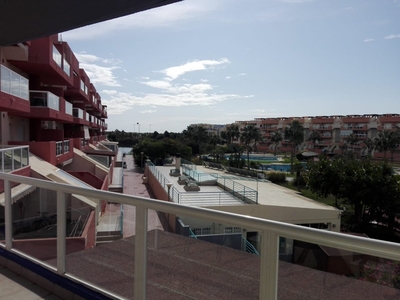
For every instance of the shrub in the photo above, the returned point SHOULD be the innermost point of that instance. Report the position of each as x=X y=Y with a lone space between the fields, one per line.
x=276 y=177
x=300 y=179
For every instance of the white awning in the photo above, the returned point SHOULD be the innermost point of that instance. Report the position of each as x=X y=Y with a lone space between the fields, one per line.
x=18 y=192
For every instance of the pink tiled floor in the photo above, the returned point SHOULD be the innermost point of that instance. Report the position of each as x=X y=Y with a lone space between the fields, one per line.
x=133 y=185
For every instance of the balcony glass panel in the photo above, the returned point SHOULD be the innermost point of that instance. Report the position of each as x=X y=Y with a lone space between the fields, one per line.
x=25 y=157
x=17 y=159
x=44 y=99
x=57 y=56
x=333 y=271
x=78 y=113
x=82 y=85
x=5 y=80
x=13 y=83
x=68 y=108
x=24 y=88
x=7 y=160
x=38 y=221
x=13 y=158
x=66 y=67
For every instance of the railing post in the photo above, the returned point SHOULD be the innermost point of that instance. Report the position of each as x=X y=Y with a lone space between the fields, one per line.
x=140 y=253
x=8 y=214
x=61 y=232
x=269 y=265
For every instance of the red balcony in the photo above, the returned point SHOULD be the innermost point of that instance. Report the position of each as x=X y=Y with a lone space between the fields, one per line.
x=78 y=92
x=53 y=152
x=14 y=91
x=48 y=60
x=48 y=106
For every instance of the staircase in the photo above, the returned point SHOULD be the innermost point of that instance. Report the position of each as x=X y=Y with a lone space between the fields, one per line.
x=108 y=237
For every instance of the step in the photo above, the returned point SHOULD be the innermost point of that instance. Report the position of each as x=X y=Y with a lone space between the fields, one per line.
x=108 y=238
x=108 y=233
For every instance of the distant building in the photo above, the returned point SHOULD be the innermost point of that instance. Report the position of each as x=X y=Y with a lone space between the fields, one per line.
x=333 y=131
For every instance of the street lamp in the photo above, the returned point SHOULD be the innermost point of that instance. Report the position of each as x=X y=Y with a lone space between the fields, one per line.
x=138 y=127
x=141 y=161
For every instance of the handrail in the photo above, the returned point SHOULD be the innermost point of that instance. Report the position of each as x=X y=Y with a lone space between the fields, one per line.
x=269 y=230
x=248 y=247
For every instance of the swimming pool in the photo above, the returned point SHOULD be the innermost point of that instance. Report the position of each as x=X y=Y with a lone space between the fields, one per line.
x=256 y=157
x=277 y=167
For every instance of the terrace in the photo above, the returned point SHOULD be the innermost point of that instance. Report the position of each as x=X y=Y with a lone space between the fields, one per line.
x=168 y=265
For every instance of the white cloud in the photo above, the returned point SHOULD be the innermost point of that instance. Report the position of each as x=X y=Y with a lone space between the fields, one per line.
x=368 y=40
x=167 y=92
x=228 y=77
x=99 y=70
x=242 y=74
x=392 y=36
x=173 y=73
x=258 y=110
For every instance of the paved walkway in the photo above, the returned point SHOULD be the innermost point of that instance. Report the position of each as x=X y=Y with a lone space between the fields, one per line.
x=133 y=185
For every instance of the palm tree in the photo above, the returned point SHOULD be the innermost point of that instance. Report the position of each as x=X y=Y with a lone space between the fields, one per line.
x=386 y=140
x=276 y=138
x=314 y=137
x=295 y=134
x=197 y=134
x=256 y=137
x=245 y=139
x=232 y=132
x=370 y=145
x=352 y=140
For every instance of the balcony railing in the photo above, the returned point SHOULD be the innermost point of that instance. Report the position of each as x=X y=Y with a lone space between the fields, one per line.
x=68 y=108
x=78 y=113
x=270 y=232
x=44 y=99
x=62 y=147
x=13 y=158
x=13 y=83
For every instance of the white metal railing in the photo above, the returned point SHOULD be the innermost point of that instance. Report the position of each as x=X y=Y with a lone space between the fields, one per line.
x=66 y=146
x=13 y=83
x=269 y=230
x=13 y=158
x=59 y=148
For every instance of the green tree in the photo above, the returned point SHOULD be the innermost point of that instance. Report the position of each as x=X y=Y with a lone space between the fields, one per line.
x=369 y=144
x=197 y=134
x=386 y=140
x=276 y=139
x=295 y=134
x=370 y=188
x=352 y=140
x=249 y=134
x=314 y=137
x=232 y=131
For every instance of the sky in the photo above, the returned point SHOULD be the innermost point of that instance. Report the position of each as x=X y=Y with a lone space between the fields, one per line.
x=221 y=61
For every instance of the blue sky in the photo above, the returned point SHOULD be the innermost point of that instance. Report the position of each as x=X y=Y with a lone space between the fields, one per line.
x=221 y=61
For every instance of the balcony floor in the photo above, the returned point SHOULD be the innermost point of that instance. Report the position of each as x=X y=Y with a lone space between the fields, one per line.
x=14 y=286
